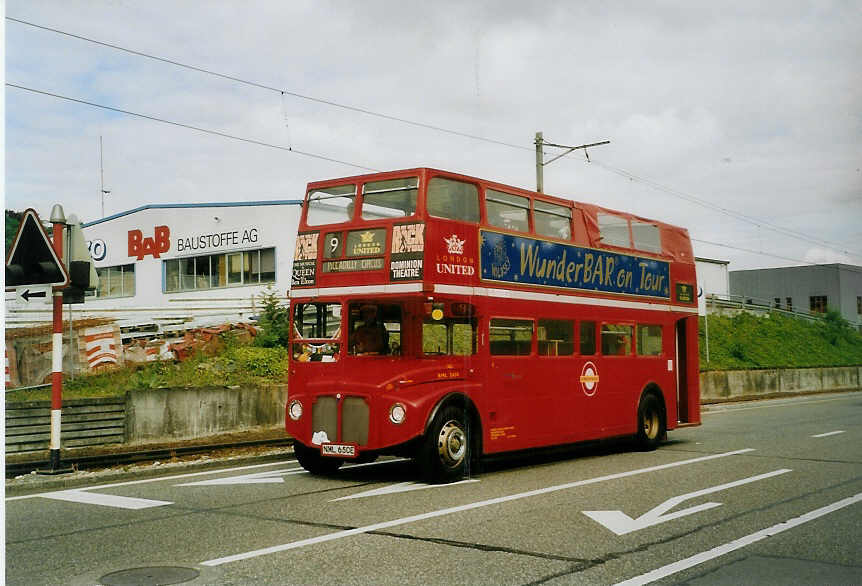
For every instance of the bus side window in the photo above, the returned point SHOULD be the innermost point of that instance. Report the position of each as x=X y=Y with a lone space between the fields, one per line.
x=649 y=340
x=556 y=337
x=510 y=337
x=588 y=338
x=616 y=340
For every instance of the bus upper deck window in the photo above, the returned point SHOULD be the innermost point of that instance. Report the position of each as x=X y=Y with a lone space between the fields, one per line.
x=552 y=220
x=331 y=205
x=507 y=211
x=452 y=199
x=646 y=236
x=392 y=198
x=614 y=230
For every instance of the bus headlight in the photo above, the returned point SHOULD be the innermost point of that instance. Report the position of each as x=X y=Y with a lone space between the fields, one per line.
x=295 y=410
x=397 y=413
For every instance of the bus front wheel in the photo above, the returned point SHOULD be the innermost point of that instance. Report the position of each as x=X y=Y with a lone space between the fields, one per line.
x=445 y=449
x=311 y=460
x=651 y=423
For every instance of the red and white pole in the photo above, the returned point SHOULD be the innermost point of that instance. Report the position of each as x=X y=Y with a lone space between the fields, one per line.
x=59 y=221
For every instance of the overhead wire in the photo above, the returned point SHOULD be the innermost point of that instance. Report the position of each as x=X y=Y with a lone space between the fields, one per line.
x=190 y=127
x=272 y=88
x=616 y=170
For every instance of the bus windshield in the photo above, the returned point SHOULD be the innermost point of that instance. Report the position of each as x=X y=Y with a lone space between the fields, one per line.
x=316 y=331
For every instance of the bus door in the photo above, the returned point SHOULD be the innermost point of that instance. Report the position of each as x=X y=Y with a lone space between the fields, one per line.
x=617 y=377
x=515 y=410
x=555 y=380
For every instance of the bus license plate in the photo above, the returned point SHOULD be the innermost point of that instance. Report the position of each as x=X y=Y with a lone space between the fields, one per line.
x=340 y=450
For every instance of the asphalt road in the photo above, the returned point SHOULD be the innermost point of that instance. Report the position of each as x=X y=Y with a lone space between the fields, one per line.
x=761 y=493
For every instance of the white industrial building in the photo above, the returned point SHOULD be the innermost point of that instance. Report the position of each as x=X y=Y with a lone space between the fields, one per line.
x=713 y=280
x=164 y=267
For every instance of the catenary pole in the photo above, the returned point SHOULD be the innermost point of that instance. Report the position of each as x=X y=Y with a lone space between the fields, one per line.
x=540 y=164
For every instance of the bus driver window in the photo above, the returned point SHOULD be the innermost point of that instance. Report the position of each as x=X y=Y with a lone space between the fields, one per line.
x=368 y=335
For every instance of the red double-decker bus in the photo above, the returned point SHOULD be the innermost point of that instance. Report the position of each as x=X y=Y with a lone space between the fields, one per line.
x=445 y=317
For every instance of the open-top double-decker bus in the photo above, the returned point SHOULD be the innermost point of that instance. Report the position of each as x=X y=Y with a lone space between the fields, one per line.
x=445 y=317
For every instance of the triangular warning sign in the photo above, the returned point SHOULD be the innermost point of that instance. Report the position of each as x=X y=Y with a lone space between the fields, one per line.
x=32 y=260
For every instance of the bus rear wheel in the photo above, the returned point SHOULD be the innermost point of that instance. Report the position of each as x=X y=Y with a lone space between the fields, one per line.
x=311 y=460
x=651 y=423
x=445 y=450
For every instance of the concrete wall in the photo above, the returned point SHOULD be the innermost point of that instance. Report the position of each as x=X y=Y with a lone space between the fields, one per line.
x=179 y=414
x=723 y=385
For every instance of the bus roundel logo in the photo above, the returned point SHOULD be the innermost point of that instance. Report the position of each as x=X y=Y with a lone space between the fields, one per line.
x=589 y=379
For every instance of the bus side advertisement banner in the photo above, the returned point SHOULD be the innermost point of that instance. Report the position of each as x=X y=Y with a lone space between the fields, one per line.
x=527 y=261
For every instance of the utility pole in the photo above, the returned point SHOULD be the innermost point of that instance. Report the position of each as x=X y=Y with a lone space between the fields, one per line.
x=540 y=164
x=104 y=191
x=540 y=156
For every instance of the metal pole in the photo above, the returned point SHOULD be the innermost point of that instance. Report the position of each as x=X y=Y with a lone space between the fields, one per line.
x=706 y=328
x=59 y=221
x=540 y=165
x=101 y=177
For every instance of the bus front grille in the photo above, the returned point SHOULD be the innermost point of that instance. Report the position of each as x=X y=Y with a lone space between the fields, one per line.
x=355 y=416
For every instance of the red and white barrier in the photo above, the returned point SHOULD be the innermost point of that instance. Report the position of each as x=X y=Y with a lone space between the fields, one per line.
x=100 y=346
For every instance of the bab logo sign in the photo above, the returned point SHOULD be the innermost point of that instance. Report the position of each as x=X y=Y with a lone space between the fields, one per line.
x=515 y=259
x=157 y=244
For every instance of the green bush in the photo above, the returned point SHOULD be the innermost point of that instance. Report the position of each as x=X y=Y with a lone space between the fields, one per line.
x=261 y=362
x=777 y=341
x=274 y=322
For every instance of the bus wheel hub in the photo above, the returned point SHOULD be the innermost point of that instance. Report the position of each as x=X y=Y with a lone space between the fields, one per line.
x=452 y=444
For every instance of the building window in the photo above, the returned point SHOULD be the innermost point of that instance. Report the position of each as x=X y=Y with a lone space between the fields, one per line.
x=116 y=281
x=777 y=304
x=789 y=301
x=858 y=305
x=818 y=303
x=214 y=271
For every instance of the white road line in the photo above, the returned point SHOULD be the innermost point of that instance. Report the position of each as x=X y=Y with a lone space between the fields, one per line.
x=105 y=500
x=790 y=402
x=156 y=479
x=726 y=548
x=828 y=433
x=459 y=509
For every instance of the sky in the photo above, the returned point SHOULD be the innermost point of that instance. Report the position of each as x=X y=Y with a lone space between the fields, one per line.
x=740 y=121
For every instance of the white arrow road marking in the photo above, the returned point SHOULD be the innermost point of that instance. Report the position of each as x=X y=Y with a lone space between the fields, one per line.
x=275 y=476
x=736 y=544
x=460 y=509
x=105 y=500
x=620 y=523
x=400 y=487
x=268 y=477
